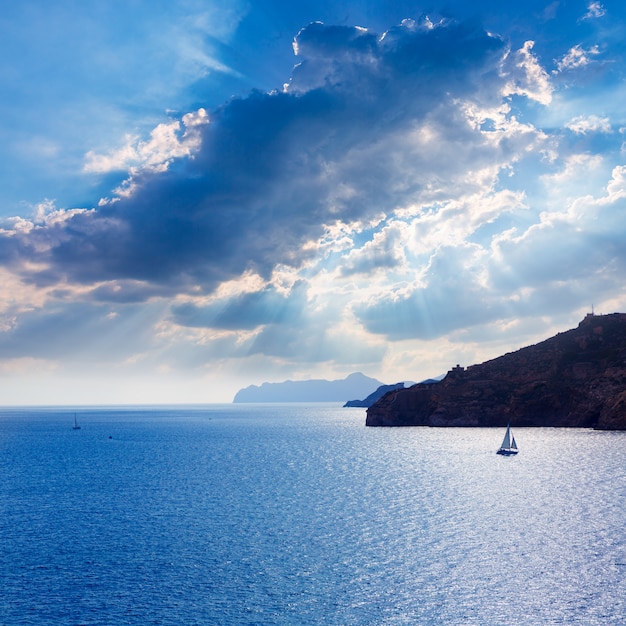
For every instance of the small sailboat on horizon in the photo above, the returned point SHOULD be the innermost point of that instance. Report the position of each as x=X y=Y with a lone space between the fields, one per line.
x=508 y=447
x=76 y=426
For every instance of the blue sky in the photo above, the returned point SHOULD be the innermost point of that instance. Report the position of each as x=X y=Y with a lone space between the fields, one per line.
x=197 y=196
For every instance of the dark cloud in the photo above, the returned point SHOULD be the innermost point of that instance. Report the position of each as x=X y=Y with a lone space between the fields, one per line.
x=245 y=311
x=265 y=180
x=337 y=43
x=423 y=314
x=81 y=332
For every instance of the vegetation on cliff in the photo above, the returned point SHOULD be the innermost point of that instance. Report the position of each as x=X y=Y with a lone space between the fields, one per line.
x=575 y=379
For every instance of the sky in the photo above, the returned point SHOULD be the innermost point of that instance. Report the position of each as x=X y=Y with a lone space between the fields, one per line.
x=202 y=195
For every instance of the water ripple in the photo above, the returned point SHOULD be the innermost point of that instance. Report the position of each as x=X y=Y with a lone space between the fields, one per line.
x=301 y=515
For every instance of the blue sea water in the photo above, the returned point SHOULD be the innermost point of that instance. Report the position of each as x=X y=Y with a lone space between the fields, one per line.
x=294 y=514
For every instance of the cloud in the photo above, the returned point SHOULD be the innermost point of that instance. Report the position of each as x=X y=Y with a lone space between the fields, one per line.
x=250 y=189
x=244 y=311
x=431 y=308
x=528 y=77
x=577 y=57
x=167 y=142
x=80 y=333
x=594 y=11
x=577 y=249
x=395 y=188
x=592 y=124
x=564 y=258
x=292 y=327
x=384 y=252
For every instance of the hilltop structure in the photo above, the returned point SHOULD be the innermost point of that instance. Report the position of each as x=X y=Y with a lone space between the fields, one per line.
x=574 y=379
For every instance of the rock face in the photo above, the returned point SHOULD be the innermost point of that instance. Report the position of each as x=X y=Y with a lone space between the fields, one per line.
x=575 y=379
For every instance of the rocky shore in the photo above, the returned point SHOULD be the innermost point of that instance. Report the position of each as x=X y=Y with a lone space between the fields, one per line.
x=574 y=379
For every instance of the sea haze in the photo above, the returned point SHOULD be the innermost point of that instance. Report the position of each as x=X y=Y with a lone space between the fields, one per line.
x=295 y=514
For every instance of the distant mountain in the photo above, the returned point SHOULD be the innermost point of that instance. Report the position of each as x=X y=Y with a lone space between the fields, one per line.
x=575 y=379
x=376 y=395
x=354 y=386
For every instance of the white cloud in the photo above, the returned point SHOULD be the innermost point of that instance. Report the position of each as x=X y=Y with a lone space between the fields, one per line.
x=583 y=125
x=167 y=142
x=594 y=11
x=577 y=57
x=528 y=78
x=616 y=188
x=574 y=169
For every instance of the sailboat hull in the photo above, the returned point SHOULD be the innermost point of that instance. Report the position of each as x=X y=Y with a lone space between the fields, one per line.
x=506 y=452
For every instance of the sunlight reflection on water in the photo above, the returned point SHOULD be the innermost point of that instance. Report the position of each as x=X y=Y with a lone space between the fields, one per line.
x=301 y=515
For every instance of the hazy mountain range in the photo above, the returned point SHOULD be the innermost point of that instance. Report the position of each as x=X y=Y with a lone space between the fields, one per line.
x=355 y=385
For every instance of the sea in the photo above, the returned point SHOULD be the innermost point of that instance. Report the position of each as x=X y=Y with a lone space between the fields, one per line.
x=299 y=514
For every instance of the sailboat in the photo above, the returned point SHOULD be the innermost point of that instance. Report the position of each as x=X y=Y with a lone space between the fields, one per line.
x=76 y=426
x=508 y=446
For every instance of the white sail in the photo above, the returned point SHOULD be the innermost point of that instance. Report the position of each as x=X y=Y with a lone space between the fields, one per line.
x=508 y=447
x=506 y=442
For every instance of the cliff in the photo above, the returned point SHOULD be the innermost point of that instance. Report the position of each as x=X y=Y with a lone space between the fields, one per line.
x=575 y=379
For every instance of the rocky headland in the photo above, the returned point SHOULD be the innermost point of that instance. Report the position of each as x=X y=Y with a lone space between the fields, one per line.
x=574 y=379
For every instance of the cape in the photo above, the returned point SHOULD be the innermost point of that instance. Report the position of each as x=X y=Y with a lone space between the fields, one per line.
x=575 y=379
